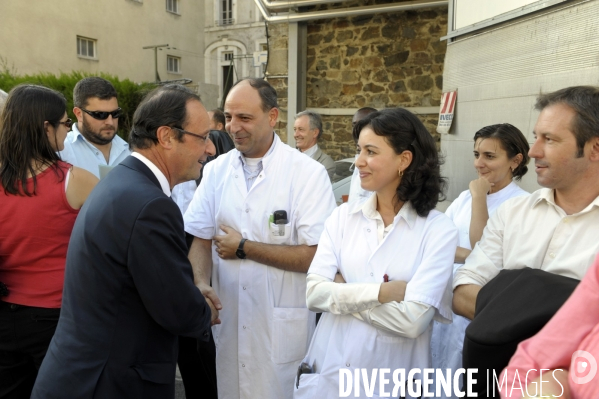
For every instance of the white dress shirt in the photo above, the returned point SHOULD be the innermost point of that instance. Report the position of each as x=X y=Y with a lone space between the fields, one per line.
x=83 y=154
x=159 y=175
x=310 y=151
x=534 y=232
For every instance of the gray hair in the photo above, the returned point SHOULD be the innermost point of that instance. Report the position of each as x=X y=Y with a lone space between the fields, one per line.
x=315 y=120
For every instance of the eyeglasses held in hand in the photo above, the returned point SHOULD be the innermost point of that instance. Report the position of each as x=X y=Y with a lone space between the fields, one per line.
x=103 y=115
x=68 y=123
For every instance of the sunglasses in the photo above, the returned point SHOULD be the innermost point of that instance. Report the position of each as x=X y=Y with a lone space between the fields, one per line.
x=102 y=115
x=68 y=123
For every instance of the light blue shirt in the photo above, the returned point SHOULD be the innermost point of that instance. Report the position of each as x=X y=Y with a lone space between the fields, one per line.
x=83 y=154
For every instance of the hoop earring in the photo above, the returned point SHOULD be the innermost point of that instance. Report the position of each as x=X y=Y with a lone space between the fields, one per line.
x=400 y=173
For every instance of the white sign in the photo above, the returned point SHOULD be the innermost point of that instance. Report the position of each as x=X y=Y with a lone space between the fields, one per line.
x=260 y=57
x=446 y=111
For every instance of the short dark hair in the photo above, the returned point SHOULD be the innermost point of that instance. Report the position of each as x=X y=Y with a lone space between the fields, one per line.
x=218 y=116
x=315 y=120
x=512 y=141
x=267 y=93
x=23 y=137
x=164 y=106
x=366 y=110
x=92 y=86
x=584 y=100
x=421 y=183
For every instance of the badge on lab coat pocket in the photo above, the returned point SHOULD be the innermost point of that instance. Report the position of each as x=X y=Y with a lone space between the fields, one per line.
x=280 y=231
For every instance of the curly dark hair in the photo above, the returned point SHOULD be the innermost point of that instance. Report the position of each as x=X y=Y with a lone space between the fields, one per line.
x=512 y=141
x=421 y=183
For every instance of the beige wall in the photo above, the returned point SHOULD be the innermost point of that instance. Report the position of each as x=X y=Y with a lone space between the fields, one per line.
x=41 y=35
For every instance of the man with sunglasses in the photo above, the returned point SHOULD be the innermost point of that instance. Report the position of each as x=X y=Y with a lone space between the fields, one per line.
x=93 y=140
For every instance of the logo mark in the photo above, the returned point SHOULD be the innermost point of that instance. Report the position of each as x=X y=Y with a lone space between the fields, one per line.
x=583 y=361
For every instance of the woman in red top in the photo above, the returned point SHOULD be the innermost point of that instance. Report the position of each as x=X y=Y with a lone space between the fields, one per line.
x=40 y=197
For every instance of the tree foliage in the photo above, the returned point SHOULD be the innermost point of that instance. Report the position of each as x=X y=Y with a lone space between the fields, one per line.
x=129 y=93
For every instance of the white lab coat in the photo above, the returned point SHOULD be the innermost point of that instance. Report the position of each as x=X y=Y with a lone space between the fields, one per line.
x=419 y=250
x=448 y=339
x=266 y=327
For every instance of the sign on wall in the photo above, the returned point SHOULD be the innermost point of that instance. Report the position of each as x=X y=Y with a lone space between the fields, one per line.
x=447 y=108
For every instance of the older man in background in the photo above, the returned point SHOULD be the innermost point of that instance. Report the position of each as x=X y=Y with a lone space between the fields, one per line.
x=307 y=130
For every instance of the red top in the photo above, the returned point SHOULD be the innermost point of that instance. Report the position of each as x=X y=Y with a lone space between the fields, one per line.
x=34 y=235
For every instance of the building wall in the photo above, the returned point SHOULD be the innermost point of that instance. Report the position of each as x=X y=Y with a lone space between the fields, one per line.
x=41 y=36
x=380 y=61
x=242 y=36
x=500 y=71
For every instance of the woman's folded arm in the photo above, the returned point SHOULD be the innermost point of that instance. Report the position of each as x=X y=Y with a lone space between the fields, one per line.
x=323 y=295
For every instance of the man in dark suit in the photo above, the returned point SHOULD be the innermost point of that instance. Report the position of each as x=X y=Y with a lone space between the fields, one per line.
x=129 y=289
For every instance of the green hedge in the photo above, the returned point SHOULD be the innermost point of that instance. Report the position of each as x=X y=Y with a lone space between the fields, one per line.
x=130 y=93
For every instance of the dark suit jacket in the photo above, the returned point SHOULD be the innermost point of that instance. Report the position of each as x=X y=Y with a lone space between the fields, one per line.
x=128 y=294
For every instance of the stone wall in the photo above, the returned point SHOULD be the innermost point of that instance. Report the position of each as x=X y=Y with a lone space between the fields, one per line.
x=380 y=61
x=277 y=70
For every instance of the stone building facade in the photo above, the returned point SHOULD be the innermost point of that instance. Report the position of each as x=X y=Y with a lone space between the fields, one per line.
x=380 y=61
x=234 y=32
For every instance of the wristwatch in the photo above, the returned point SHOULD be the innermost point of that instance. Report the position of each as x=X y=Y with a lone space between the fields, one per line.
x=240 y=252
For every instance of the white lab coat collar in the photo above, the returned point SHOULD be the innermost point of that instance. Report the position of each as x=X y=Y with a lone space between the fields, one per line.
x=240 y=161
x=166 y=189
x=368 y=208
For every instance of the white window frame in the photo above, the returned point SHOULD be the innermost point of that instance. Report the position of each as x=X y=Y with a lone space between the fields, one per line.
x=452 y=32
x=172 y=61
x=221 y=13
x=87 y=41
x=172 y=6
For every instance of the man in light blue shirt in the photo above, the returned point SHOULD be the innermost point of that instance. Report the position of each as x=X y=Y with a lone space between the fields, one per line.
x=93 y=142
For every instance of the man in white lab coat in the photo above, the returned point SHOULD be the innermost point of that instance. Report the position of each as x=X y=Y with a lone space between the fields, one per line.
x=257 y=217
